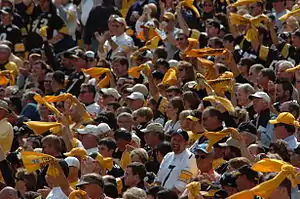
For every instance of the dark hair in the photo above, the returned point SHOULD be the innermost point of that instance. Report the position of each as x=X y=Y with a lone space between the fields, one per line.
x=286 y=86
x=44 y=66
x=110 y=190
x=192 y=98
x=161 y=52
x=247 y=61
x=281 y=148
x=268 y=72
x=115 y=105
x=17 y=103
x=289 y=128
x=167 y=193
x=164 y=148
x=29 y=95
x=197 y=113
x=91 y=88
x=121 y=60
x=109 y=143
x=257 y=67
x=178 y=104
x=228 y=37
x=218 y=41
x=162 y=62
x=174 y=89
x=30 y=179
x=59 y=77
x=213 y=112
x=293 y=107
x=108 y=118
x=54 y=141
x=214 y=23
x=154 y=190
x=124 y=134
x=138 y=169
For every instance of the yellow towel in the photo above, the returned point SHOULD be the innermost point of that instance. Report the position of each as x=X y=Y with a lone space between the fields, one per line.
x=170 y=78
x=217 y=99
x=245 y=2
x=77 y=194
x=194 y=190
x=107 y=163
x=292 y=13
x=41 y=127
x=33 y=161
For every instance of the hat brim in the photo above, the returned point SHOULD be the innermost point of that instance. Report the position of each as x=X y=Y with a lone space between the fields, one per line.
x=68 y=154
x=274 y=121
x=82 y=183
x=81 y=131
x=145 y=131
x=230 y=142
x=129 y=90
x=194 y=119
x=132 y=97
x=253 y=96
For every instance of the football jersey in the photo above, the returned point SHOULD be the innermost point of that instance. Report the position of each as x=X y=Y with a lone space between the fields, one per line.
x=40 y=19
x=13 y=34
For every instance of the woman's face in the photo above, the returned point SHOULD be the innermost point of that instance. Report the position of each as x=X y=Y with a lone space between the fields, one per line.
x=242 y=97
x=171 y=111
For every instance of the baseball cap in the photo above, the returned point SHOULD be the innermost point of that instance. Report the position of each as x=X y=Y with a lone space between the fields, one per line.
x=203 y=147
x=4 y=105
x=88 y=129
x=195 y=116
x=231 y=142
x=182 y=133
x=89 y=54
x=228 y=179
x=169 y=16
x=78 y=152
x=103 y=129
x=4 y=48
x=153 y=127
x=138 y=88
x=157 y=74
x=247 y=127
x=180 y=32
x=261 y=95
x=91 y=178
x=111 y=92
x=6 y=10
x=285 y=118
x=136 y=96
x=72 y=162
x=250 y=173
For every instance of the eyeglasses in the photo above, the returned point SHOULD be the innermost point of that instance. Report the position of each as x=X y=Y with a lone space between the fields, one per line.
x=200 y=157
x=180 y=39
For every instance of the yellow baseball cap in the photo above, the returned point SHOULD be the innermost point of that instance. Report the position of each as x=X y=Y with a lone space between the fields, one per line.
x=78 y=151
x=285 y=118
x=169 y=16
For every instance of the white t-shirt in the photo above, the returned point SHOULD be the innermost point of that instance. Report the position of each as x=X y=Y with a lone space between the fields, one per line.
x=56 y=193
x=176 y=171
x=93 y=109
x=123 y=41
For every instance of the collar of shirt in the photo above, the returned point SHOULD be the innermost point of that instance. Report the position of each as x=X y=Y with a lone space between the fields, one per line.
x=292 y=141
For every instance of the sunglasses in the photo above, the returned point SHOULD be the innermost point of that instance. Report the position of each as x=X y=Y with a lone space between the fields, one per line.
x=180 y=39
x=200 y=157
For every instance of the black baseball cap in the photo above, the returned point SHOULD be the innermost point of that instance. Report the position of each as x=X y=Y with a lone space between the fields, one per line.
x=91 y=178
x=6 y=10
x=182 y=133
x=247 y=127
x=228 y=179
x=246 y=170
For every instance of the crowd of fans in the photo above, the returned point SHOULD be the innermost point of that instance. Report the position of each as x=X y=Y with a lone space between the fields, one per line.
x=156 y=99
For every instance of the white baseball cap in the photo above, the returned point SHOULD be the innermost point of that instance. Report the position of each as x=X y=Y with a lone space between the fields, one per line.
x=136 y=96
x=72 y=162
x=261 y=95
x=88 y=129
x=111 y=92
x=138 y=88
x=103 y=128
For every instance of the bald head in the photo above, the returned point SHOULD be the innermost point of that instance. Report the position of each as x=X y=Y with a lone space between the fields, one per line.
x=9 y=193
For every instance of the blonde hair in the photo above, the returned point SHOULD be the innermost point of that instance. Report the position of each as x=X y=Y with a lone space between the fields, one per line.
x=140 y=153
x=134 y=193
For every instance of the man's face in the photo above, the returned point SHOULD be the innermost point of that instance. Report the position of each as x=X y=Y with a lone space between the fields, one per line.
x=129 y=178
x=242 y=97
x=280 y=93
x=280 y=131
x=119 y=69
x=211 y=31
x=125 y=122
x=86 y=96
x=259 y=105
x=5 y=18
x=295 y=41
x=44 y=4
x=181 y=42
x=104 y=151
x=48 y=148
x=209 y=121
x=204 y=161
x=92 y=190
x=47 y=81
x=37 y=70
x=207 y=6
x=243 y=183
x=252 y=75
x=178 y=144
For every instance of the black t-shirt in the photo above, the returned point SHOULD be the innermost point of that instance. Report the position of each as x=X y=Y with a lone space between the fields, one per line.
x=116 y=171
x=289 y=52
x=13 y=34
x=74 y=82
x=40 y=19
